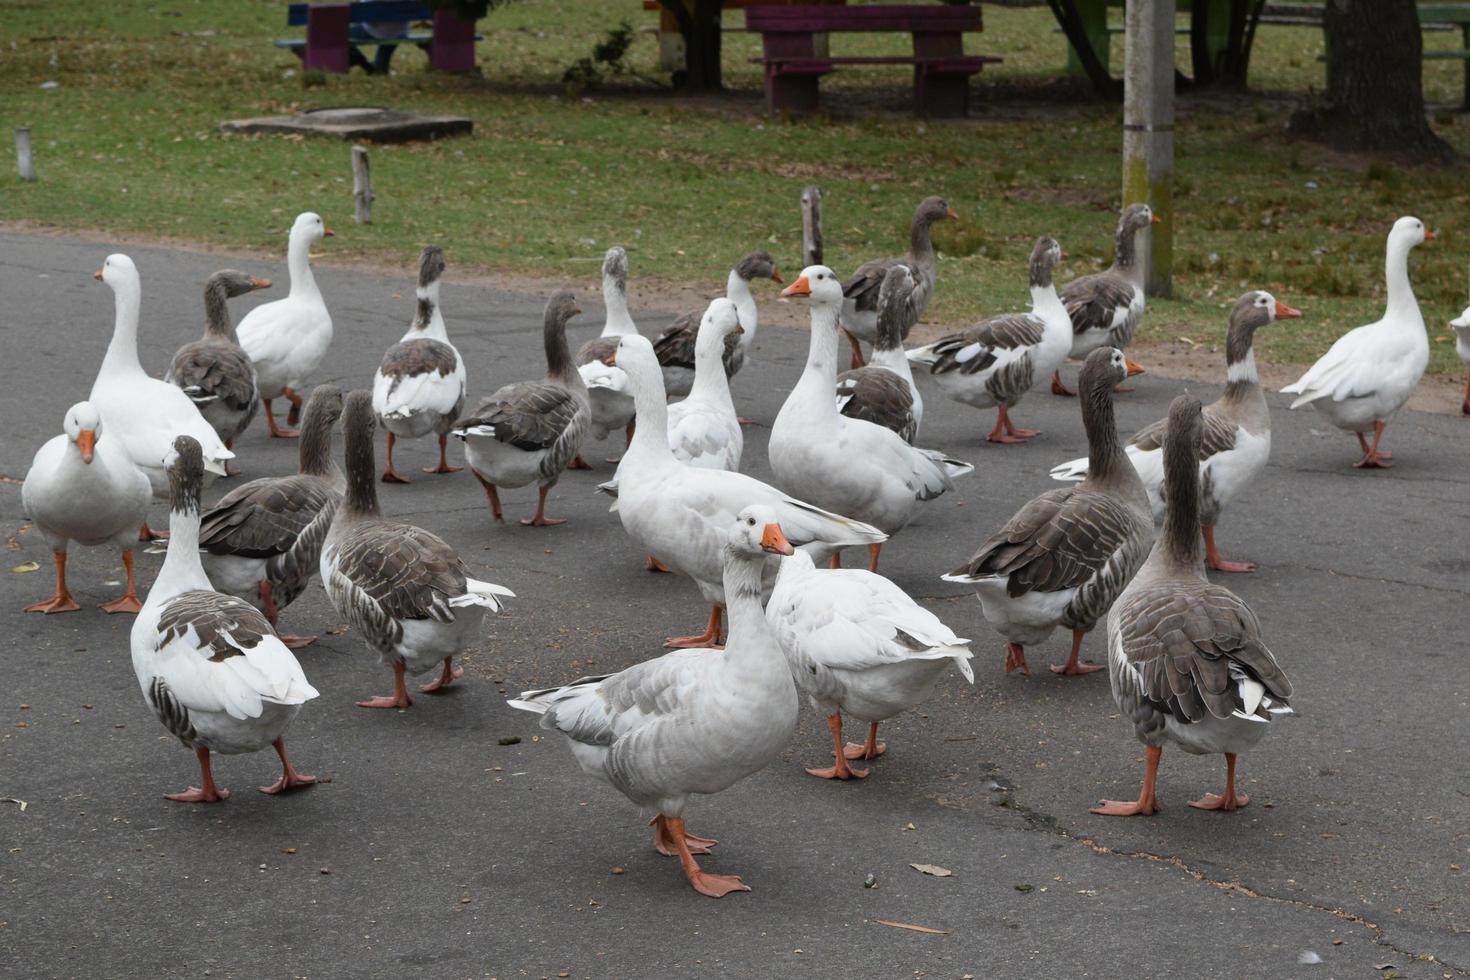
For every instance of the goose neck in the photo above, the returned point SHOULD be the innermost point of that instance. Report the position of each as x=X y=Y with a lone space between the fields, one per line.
x=737 y=290
x=1125 y=253
x=651 y=434
x=1106 y=459
x=619 y=322
x=1180 y=538
x=298 y=262
x=710 y=383
x=1396 y=273
x=315 y=450
x=217 y=322
x=820 y=376
x=182 y=569
x=921 y=244
x=752 y=640
x=360 y=498
x=122 y=351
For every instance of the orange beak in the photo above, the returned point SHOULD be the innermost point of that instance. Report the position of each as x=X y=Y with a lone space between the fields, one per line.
x=87 y=443
x=775 y=542
x=612 y=359
x=1155 y=220
x=1284 y=312
x=328 y=233
x=776 y=276
x=1429 y=235
x=97 y=275
x=260 y=283
x=952 y=214
x=799 y=288
x=1133 y=368
x=1064 y=254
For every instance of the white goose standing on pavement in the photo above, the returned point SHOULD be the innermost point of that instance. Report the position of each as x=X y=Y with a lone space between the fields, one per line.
x=1237 y=433
x=608 y=397
x=703 y=428
x=848 y=466
x=692 y=721
x=209 y=665
x=287 y=339
x=420 y=385
x=1186 y=660
x=1370 y=372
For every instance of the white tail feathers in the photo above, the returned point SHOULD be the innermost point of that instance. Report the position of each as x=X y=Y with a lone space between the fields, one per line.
x=1072 y=471
x=482 y=594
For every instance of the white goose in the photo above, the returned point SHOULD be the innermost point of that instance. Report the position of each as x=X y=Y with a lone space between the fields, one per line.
x=209 y=665
x=143 y=413
x=84 y=488
x=608 y=396
x=420 y=385
x=287 y=339
x=1186 y=661
x=693 y=721
x=1237 y=436
x=681 y=513
x=848 y=465
x=1461 y=326
x=1370 y=372
x=403 y=589
x=858 y=645
x=994 y=363
x=703 y=428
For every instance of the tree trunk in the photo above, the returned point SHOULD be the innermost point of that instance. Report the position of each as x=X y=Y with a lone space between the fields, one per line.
x=1375 y=94
x=700 y=28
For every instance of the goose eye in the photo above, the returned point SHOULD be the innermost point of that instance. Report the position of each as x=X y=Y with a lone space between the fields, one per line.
x=750 y=521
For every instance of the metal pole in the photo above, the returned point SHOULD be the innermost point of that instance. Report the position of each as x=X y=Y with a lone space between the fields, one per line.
x=811 y=226
x=23 y=162
x=362 y=186
x=1148 y=132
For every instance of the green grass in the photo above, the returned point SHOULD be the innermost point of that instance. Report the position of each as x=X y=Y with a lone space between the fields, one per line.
x=129 y=143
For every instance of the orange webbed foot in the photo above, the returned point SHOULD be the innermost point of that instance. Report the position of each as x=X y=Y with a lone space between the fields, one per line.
x=1213 y=801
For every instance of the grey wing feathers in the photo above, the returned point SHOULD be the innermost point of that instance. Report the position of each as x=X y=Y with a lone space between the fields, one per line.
x=421 y=355
x=597 y=349
x=224 y=626
x=675 y=346
x=263 y=518
x=1218 y=435
x=530 y=415
x=409 y=573
x=877 y=395
x=210 y=372
x=1189 y=643
x=864 y=285
x=1057 y=541
x=1092 y=301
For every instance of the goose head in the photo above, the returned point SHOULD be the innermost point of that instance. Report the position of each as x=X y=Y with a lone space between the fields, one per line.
x=118 y=271
x=1136 y=217
x=1103 y=369
x=1407 y=232
x=758 y=265
x=720 y=320
x=309 y=227
x=757 y=532
x=83 y=424
x=1045 y=255
x=935 y=208
x=634 y=354
x=1257 y=308
x=235 y=283
x=615 y=270
x=819 y=285
x=431 y=267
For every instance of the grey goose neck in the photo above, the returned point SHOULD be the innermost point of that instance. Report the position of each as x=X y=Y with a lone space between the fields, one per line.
x=323 y=409
x=559 y=365
x=1180 y=538
x=1106 y=460
x=1044 y=258
x=358 y=423
x=218 y=289
x=1246 y=318
x=894 y=314
x=186 y=477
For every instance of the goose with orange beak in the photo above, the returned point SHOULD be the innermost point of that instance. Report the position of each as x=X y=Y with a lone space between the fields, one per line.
x=690 y=722
x=846 y=465
x=1237 y=430
x=84 y=488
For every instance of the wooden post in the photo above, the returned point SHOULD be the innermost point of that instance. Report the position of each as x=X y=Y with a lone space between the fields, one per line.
x=23 y=161
x=362 y=186
x=811 y=226
x=1148 y=133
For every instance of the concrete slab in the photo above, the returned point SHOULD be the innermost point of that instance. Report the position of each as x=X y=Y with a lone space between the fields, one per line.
x=373 y=123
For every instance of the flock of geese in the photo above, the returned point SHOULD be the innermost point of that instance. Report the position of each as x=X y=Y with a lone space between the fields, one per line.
x=1127 y=539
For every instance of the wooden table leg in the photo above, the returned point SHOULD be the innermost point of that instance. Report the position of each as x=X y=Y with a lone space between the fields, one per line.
x=327 y=28
x=940 y=95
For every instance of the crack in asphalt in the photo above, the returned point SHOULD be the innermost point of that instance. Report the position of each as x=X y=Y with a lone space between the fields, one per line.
x=1385 y=581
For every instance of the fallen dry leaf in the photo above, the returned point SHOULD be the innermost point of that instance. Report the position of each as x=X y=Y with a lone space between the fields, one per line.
x=912 y=928
x=932 y=869
x=26 y=566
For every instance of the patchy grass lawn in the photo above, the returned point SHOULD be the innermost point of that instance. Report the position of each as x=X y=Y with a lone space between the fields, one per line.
x=128 y=142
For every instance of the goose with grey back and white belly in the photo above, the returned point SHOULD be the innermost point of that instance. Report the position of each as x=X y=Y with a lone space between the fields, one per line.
x=677 y=347
x=861 y=290
x=1237 y=430
x=214 y=371
x=1370 y=372
x=883 y=390
x=845 y=465
x=209 y=665
x=288 y=338
x=681 y=513
x=690 y=722
x=608 y=396
x=995 y=362
x=1107 y=307
x=1065 y=556
x=1461 y=326
x=143 y=413
x=858 y=645
x=529 y=431
x=262 y=541
x=404 y=590
x=420 y=385
x=85 y=488
x=1186 y=660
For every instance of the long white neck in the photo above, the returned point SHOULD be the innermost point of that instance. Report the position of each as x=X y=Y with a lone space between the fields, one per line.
x=434 y=328
x=298 y=256
x=651 y=436
x=814 y=390
x=122 y=351
x=182 y=570
x=752 y=641
x=1401 y=300
x=619 y=321
x=895 y=360
x=1046 y=304
x=737 y=290
x=710 y=384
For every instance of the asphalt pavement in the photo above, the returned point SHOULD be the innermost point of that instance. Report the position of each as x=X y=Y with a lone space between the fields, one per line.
x=436 y=851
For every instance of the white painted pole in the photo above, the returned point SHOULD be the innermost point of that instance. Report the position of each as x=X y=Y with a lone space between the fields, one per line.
x=23 y=162
x=362 y=186
x=1148 y=132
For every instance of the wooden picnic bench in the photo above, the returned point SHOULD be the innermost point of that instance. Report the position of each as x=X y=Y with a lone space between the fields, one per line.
x=671 y=42
x=333 y=30
x=794 y=67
